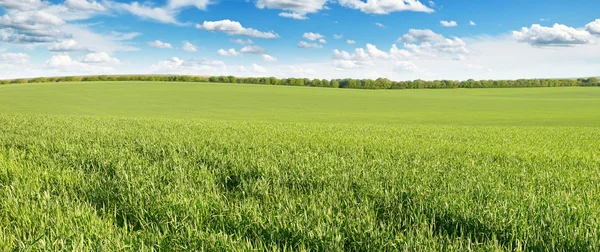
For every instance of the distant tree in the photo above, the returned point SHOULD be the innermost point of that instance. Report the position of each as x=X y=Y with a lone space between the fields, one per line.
x=591 y=82
x=334 y=84
x=18 y=81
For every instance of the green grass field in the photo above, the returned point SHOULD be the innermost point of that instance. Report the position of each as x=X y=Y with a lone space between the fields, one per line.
x=224 y=167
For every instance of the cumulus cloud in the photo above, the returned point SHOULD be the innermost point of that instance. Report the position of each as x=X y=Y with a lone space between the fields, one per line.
x=322 y=41
x=306 y=45
x=593 y=27
x=164 y=14
x=448 y=23
x=294 y=9
x=405 y=66
x=472 y=23
x=312 y=36
x=252 y=49
x=167 y=65
x=160 y=44
x=230 y=52
x=416 y=35
x=557 y=35
x=14 y=58
x=350 y=42
x=200 y=66
x=69 y=45
x=64 y=63
x=30 y=27
x=385 y=6
x=23 y=5
x=145 y=11
x=189 y=47
x=428 y=44
x=242 y=42
x=293 y=15
x=177 y=4
x=84 y=5
x=362 y=57
x=268 y=58
x=234 y=28
x=335 y=36
x=258 y=69
x=380 y=25
x=100 y=58
x=425 y=43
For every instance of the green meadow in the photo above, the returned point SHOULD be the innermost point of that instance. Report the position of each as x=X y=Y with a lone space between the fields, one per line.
x=169 y=166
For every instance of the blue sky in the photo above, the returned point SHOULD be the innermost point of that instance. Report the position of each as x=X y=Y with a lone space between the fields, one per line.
x=396 y=39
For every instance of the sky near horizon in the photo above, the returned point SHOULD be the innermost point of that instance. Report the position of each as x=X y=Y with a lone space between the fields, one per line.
x=395 y=39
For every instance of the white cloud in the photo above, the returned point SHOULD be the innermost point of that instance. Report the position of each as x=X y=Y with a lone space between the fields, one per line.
x=108 y=42
x=30 y=27
x=593 y=27
x=69 y=45
x=293 y=15
x=557 y=35
x=322 y=41
x=258 y=69
x=65 y=64
x=385 y=6
x=242 y=69
x=177 y=4
x=380 y=25
x=448 y=23
x=296 y=71
x=15 y=58
x=242 y=42
x=335 y=36
x=62 y=61
x=350 y=42
x=234 y=28
x=297 y=8
x=472 y=23
x=432 y=4
x=312 y=36
x=428 y=44
x=268 y=58
x=405 y=66
x=124 y=36
x=200 y=66
x=367 y=57
x=167 y=65
x=306 y=45
x=144 y=11
x=166 y=14
x=252 y=49
x=23 y=4
x=230 y=52
x=100 y=58
x=189 y=47
x=84 y=5
x=160 y=44
x=416 y=35
x=371 y=53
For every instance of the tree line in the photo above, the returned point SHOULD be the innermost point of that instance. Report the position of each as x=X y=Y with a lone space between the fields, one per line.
x=380 y=83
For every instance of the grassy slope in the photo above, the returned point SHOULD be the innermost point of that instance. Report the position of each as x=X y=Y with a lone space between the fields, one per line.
x=531 y=106
x=281 y=181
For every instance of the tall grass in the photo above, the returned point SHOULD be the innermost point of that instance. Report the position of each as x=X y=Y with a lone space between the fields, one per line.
x=105 y=184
